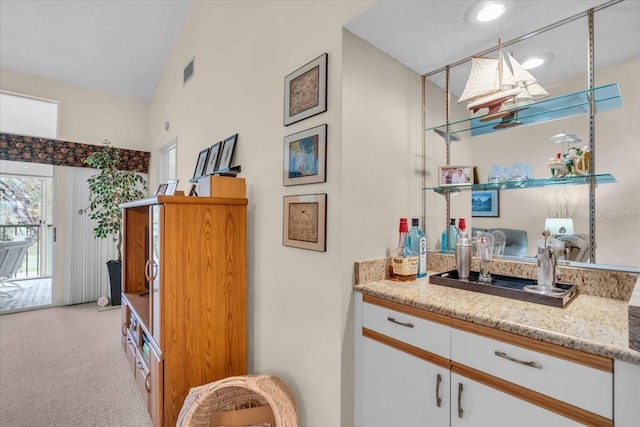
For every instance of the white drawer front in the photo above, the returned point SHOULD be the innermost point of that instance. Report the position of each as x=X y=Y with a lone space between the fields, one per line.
x=573 y=383
x=429 y=336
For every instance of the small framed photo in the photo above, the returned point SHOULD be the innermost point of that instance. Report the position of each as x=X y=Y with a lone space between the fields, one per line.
x=172 y=184
x=212 y=160
x=200 y=165
x=485 y=203
x=305 y=91
x=305 y=156
x=455 y=175
x=226 y=156
x=193 y=191
x=162 y=189
x=305 y=222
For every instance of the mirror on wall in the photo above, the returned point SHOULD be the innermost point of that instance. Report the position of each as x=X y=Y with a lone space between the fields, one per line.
x=616 y=217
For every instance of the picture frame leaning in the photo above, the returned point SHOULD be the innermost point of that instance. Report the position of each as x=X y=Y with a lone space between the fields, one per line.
x=305 y=91
x=305 y=157
x=213 y=158
x=226 y=153
x=201 y=163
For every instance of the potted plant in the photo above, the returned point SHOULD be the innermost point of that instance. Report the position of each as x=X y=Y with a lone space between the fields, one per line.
x=107 y=190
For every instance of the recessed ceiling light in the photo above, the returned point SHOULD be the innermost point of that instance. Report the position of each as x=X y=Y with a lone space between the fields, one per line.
x=484 y=11
x=490 y=12
x=536 y=59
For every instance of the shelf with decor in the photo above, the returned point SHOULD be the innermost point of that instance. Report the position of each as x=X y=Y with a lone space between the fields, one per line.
x=602 y=178
x=605 y=97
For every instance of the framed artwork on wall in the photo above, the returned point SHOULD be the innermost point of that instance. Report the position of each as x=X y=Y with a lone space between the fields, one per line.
x=305 y=222
x=212 y=160
x=305 y=156
x=226 y=155
x=485 y=203
x=200 y=165
x=305 y=91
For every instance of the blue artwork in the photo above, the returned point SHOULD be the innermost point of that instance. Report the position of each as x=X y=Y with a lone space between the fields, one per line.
x=484 y=203
x=303 y=157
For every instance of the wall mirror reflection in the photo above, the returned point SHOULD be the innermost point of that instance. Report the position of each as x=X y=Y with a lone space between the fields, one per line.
x=527 y=151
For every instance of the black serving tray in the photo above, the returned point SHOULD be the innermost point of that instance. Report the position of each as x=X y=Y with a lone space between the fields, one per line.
x=508 y=287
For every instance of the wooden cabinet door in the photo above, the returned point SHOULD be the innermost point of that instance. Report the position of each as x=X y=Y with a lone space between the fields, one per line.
x=399 y=389
x=155 y=268
x=474 y=404
x=156 y=383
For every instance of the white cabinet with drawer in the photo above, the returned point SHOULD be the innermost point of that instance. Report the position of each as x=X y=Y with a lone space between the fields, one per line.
x=416 y=368
x=567 y=381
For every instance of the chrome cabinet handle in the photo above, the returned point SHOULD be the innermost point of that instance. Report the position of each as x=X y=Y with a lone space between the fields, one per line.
x=139 y=365
x=460 y=411
x=124 y=328
x=522 y=362
x=147 y=382
x=408 y=325
x=438 y=381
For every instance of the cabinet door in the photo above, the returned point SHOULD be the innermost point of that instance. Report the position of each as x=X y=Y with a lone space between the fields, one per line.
x=155 y=269
x=402 y=390
x=155 y=383
x=474 y=404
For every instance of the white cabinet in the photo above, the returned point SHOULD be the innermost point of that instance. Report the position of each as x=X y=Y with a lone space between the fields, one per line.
x=415 y=368
x=399 y=389
x=476 y=405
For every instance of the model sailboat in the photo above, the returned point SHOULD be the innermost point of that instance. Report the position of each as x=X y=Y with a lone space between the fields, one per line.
x=500 y=84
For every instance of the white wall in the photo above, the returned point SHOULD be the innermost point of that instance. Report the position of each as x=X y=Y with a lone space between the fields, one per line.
x=86 y=115
x=381 y=169
x=243 y=51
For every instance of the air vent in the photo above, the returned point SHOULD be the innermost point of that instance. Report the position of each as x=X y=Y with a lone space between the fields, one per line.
x=188 y=72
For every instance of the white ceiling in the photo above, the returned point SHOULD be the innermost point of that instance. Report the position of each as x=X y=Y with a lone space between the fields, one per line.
x=428 y=35
x=118 y=47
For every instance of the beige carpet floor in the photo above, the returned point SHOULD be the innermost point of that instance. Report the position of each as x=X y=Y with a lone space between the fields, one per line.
x=64 y=366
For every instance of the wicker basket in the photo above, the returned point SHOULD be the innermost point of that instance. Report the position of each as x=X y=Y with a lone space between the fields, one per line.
x=237 y=392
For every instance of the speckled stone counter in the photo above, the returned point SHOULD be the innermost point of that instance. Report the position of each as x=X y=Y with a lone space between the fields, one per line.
x=634 y=318
x=592 y=324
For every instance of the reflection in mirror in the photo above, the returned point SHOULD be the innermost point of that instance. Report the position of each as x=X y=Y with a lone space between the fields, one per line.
x=617 y=213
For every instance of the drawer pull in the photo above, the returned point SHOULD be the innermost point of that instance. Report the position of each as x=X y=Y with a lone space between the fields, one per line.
x=124 y=328
x=139 y=365
x=460 y=411
x=147 y=382
x=408 y=325
x=438 y=381
x=522 y=362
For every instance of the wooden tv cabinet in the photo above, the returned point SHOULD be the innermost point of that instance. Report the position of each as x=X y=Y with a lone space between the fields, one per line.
x=184 y=296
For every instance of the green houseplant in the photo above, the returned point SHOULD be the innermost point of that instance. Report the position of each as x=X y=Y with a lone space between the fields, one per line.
x=107 y=190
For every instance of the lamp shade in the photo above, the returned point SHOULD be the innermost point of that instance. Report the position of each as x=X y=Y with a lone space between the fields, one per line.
x=559 y=226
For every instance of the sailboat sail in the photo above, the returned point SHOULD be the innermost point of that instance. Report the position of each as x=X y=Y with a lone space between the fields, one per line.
x=494 y=81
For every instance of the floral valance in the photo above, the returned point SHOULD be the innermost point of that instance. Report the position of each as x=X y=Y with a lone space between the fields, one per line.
x=63 y=153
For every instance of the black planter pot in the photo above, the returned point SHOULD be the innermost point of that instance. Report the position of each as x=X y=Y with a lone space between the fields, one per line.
x=115 y=278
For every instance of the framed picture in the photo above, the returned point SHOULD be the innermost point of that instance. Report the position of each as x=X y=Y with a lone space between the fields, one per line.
x=305 y=91
x=200 y=165
x=172 y=184
x=193 y=191
x=305 y=156
x=226 y=156
x=162 y=189
x=455 y=175
x=305 y=222
x=485 y=203
x=212 y=160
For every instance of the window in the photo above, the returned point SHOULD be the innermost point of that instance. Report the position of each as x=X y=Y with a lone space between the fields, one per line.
x=25 y=115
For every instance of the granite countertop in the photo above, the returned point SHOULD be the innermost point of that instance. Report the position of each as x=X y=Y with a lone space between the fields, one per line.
x=592 y=324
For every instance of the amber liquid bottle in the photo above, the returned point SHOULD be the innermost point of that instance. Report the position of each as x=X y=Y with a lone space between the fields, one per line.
x=404 y=260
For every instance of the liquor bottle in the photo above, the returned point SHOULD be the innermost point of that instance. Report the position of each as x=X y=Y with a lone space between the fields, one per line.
x=404 y=260
x=418 y=242
x=449 y=244
x=464 y=250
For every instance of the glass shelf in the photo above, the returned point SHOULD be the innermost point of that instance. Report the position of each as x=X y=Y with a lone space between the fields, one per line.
x=606 y=98
x=603 y=178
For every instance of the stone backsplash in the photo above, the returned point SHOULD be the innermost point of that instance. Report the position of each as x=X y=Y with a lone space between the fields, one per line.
x=601 y=283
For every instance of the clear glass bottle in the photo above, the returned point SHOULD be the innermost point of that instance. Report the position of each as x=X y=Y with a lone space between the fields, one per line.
x=404 y=260
x=418 y=242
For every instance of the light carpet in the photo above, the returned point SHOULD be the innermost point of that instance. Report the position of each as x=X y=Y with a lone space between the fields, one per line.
x=64 y=366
